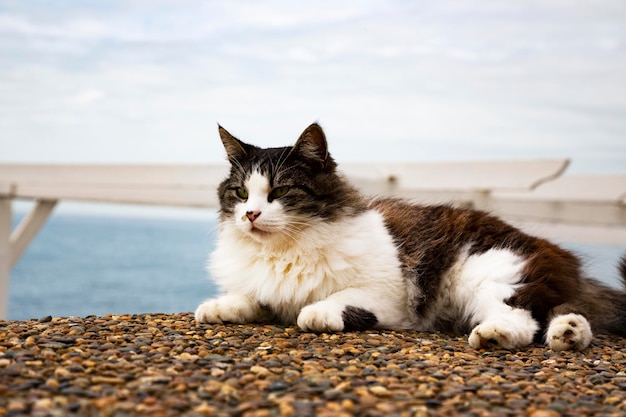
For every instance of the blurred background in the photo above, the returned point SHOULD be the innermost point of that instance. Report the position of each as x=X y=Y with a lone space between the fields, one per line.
x=148 y=81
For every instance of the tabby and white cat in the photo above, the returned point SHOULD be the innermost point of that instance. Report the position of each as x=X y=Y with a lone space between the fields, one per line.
x=298 y=244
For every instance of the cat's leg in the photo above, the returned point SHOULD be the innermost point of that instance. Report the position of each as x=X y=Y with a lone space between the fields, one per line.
x=355 y=309
x=480 y=284
x=568 y=330
x=230 y=308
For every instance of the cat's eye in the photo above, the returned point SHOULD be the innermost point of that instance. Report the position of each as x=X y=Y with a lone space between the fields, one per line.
x=242 y=193
x=279 y=192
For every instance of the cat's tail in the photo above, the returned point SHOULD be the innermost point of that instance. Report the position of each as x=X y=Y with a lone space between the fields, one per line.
x=617 y=323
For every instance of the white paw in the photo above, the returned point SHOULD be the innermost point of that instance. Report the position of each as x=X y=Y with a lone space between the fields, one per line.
x=323 y=316
x=226 y=309
x=500 y=334
x=487 y=336
x=569 y=331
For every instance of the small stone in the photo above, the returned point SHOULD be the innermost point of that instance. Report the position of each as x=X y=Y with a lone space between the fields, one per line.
x=465 y=356
x=229 y=392
x=62 y=373
x=332 y=394
x=380 y=391
x=286 y=409
x=260 y=371
x=614 y=400
x=16 y=406
x=156 y=379
x=386 y=407
x=544 y=413
x=104 y=402
x=433 y=403
x=76 y=330
x=188 y=357
x=278 y=386
x=43 y=404
x=52 y=383
x=53 y=345
x=106 y=380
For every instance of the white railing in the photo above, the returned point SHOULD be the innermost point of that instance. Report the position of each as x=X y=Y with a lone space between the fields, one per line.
x=533 y=190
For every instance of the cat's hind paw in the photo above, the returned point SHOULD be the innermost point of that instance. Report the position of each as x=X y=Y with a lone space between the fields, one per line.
x=226 y=309
x=323 y=316
x=569 y=332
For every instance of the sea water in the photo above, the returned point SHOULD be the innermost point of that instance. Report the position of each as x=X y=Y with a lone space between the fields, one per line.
x=97 y=264
x=82 y=264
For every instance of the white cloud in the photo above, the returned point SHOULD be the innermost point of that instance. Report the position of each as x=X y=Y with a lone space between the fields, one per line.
x=78 y=28
x=147 y=81
x=87 y=97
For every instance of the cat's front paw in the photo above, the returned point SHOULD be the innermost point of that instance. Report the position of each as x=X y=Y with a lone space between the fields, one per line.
x=569 y=331
x=226 y=309
x=499 y=336
x=489 y=337
x=323 y=316
x=512 y=328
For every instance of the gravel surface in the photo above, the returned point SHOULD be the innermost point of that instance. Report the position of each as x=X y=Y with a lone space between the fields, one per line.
x=167 y=365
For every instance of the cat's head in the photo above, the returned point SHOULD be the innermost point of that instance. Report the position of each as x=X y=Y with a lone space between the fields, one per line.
x=276 y=193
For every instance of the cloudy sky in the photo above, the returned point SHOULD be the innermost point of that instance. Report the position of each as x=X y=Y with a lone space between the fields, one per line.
x=148 y=81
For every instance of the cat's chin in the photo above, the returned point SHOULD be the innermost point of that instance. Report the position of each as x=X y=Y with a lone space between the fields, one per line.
x=260 y=234
x=274 y=238
x=253 y=232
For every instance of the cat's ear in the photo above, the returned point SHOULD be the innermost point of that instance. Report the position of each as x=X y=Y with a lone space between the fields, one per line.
x=312 y=144
x=236 y=150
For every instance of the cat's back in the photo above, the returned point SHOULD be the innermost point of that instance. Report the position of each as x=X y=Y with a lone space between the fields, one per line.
x=447 y=229
x=424 y=228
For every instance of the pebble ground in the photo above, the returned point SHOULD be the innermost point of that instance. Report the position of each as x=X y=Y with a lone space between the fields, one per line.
x=167 y=365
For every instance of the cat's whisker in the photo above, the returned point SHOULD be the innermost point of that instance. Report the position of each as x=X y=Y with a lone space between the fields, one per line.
x=294 y=237
x=293 y=232
x=294 y=228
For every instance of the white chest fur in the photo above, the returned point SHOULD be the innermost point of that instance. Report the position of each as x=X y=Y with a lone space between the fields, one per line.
x=328 y=257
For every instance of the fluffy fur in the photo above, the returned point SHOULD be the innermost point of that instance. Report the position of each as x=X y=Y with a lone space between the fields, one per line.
x=298 y=244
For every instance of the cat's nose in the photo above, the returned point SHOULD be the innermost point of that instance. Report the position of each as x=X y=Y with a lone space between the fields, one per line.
x=253 y=215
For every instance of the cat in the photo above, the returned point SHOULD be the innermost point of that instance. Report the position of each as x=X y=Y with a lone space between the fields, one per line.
x=298 y=244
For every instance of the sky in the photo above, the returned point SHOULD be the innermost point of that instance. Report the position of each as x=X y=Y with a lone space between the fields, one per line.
x=148 y=81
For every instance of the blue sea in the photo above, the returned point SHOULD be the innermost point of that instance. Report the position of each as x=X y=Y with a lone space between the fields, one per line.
x=81 y=264
x=121 y=263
